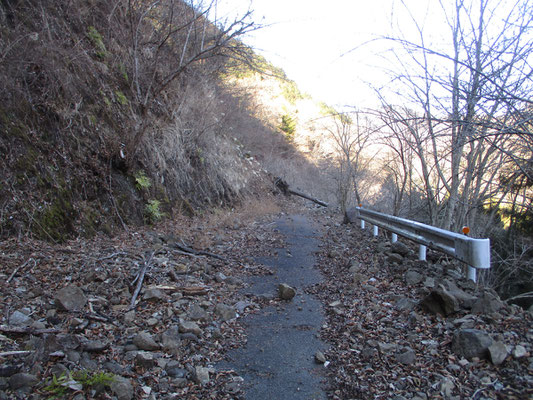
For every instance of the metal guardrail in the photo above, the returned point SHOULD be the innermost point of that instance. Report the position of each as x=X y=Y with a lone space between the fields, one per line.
x=474 y=252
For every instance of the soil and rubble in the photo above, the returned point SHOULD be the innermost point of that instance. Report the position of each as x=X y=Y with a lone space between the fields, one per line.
x=397 y=328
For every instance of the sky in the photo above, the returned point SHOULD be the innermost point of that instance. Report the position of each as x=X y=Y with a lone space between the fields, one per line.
x=320 y=44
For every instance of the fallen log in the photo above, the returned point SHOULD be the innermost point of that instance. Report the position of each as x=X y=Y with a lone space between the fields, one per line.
x=286 y=190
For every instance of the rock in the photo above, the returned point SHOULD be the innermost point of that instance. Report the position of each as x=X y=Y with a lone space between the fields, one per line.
x=95 y=346
x=22 y=380
x=154 y=294
x=70 y=298
x=225 y=312
x=145 y=341
x=440 y=301
x=487 y=303
x=19 y=318
x=400 y=248
x=190 y=327
x=470 y=343
x=242 y=305
x=170 y=339
x=385 y=348
x=413 y=277
x=122 y=388
x=498 y=352
x=357 y=277
x=407 y=357
x=286 y=292
x=181 y=269
x=174 y=370
x=201 y=375
x=446 y=387
x=220 y=277
x=465 y=300
x=320 y=358
x=429 y=282
x=395 y=258
x=405 y=304
x=519 y=351
x=197 y=313
x=145 y=359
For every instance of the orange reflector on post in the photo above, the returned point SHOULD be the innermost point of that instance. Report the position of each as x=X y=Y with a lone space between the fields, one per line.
x=466 y=230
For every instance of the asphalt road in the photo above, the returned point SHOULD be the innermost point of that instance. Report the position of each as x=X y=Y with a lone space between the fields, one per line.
x=278 y=360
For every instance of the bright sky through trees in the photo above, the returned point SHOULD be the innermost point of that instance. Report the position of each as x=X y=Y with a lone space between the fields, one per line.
x=333 y=49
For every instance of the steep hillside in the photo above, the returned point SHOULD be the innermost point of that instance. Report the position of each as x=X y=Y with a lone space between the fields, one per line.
x=108 y=118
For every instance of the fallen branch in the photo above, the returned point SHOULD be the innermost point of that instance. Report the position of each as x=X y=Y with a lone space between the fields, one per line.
x=140 y=279
x=19 y=268
x=27 y=330
x=286 y=190
x=190 y=250
x=15 y=353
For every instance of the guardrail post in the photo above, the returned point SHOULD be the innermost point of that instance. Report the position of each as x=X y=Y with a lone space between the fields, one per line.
x=362 y=224
x=471 y=274
x=394 y=238
x=375 y=230
x=422 y=252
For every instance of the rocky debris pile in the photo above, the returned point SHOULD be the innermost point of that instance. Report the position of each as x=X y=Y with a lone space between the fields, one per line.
x=407 y=329
x=68 y=328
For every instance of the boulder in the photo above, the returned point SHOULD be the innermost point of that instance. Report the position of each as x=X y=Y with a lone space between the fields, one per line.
x=145 y=341
x=22 y=380
x=70 y=298
x=122 y=388
x=286 y=292
x=470 y=343
x=441 y=302
x=400 y=248
x=487 y=303
x=498 y=352
x=225 y=312
x=413 y=277
x=190 y=327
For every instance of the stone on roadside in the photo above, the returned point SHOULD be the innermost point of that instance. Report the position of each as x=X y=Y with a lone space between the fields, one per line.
x=413 y=277
x=22 y=380
x=225 y=312
x=498 y=352
x=154 y=294
x=400 y=248
x=519 y=351
x=487 y=303
x=470 y=343
x=145 y=341
x=201 y=375
x=70 y=298
x=286 y=292
x=406 y=357
x=170 y=339
x=190 y=327
x=95 y=346
x=320 y=358
x=197 y=313
x=145 y=359
x=405 y=304
x=395 y=258
x=18 y=318
x=440 y=301
x=122 y=388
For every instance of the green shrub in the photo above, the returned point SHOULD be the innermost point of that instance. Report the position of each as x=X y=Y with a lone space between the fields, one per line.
x=288 y=126
x=153 y=211
x=141 y=180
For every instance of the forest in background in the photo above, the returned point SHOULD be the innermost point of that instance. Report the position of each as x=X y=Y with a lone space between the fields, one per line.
x=123 y=113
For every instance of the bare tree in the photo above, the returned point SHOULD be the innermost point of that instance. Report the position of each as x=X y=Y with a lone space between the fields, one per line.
x=167 y=38
x=467 y=96
x=351 y=138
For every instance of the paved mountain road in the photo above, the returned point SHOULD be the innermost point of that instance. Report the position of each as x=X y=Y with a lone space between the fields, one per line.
x=278 y=361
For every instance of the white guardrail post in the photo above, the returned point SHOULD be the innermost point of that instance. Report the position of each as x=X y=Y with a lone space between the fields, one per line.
x=474 y=252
